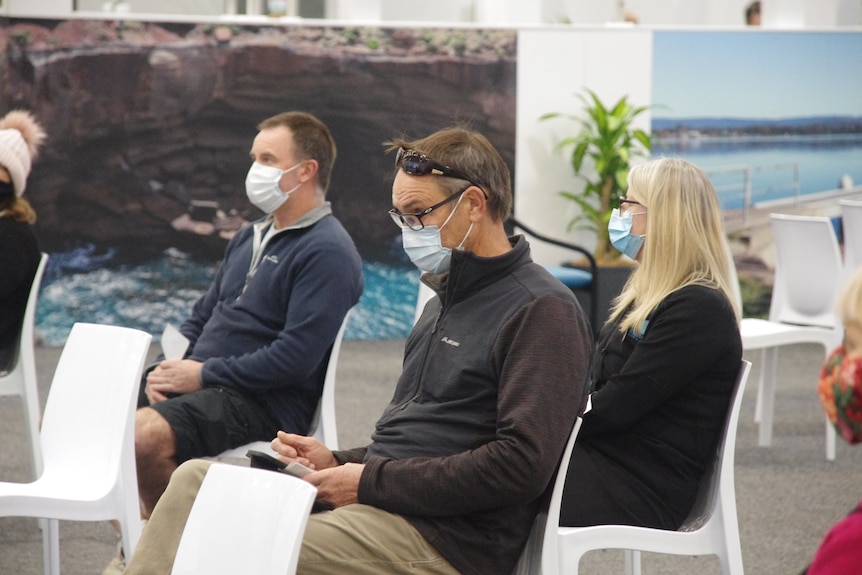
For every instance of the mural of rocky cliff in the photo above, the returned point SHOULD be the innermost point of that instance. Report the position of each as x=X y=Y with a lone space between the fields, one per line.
x=150 y=123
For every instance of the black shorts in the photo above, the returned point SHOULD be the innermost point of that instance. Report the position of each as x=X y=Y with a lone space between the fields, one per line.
x=208 y=421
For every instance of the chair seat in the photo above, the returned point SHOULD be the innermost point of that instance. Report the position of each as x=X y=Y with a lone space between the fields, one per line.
x=759 y=333
x=572 y=278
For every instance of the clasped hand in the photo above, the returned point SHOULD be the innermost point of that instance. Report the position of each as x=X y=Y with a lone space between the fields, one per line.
x=173 y=376
x=337 y=485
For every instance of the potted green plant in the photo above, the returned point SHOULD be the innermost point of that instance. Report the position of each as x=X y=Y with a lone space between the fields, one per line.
x=608 y=137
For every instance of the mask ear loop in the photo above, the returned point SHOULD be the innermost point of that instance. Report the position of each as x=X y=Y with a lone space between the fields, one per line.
x=452 y=213
x=461 y=245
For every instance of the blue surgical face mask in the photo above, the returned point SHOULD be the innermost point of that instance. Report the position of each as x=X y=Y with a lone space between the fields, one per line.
x=425 y=248
x=620 y=232
x=261 y=187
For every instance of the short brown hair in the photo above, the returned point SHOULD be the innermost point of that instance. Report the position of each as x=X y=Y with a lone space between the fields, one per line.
x=311 y=140
x=471 y=154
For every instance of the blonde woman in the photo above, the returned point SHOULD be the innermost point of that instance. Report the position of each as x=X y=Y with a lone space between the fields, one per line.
x=666 y=360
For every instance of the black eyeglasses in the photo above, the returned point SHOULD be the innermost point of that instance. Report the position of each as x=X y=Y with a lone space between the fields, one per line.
x=418 y=164
x=414 y=221
x=626 y=205
x=625 y=201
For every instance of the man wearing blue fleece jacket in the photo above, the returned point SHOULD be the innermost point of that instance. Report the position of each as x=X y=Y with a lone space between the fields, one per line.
x=260 y=337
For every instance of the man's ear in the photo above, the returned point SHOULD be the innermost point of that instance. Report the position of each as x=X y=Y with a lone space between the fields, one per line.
x=308 y=170
x=477 y=201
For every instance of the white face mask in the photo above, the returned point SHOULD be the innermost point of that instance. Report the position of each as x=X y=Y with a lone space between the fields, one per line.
x=261 y=187
x=425 y=248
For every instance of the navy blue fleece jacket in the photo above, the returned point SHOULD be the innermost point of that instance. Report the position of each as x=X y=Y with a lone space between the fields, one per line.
x=269 y=332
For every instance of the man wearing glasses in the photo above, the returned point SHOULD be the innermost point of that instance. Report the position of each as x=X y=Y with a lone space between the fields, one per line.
x=494 y=376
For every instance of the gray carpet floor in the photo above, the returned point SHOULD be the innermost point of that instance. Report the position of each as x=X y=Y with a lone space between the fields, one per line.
x=787 y=494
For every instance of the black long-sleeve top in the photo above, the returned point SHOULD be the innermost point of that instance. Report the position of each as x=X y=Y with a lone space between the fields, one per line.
x=19 y=259
x=659 y=404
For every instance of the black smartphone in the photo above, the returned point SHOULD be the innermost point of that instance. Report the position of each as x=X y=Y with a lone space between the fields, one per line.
x=263 y=460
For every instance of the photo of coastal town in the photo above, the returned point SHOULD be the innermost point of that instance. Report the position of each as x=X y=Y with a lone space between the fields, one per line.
x=772 y=117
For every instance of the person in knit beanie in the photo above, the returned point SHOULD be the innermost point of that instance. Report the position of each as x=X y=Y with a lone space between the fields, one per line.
x=20 y=139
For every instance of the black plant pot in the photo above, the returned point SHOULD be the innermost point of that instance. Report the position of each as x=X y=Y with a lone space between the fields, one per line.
x=610 y=281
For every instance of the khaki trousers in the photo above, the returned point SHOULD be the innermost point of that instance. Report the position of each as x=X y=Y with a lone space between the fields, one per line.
x=357 y=539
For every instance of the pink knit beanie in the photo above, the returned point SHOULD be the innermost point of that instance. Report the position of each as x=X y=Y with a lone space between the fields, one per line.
x=20 y=138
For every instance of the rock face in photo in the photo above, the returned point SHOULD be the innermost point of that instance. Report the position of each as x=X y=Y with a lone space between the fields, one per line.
x=146 y=121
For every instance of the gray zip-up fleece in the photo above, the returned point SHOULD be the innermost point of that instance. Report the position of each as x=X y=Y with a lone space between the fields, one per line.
x=495 y=373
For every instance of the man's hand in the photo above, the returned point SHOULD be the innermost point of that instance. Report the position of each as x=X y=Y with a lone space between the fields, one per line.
x=306 y=450
x=337 y=486
x=173 y=376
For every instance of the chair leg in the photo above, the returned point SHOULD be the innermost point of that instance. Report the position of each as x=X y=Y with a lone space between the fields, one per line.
x=767 y=396
x=758 y=407
x=32 y=416
x=633 y=562
x=51 y=546
x=830 y=441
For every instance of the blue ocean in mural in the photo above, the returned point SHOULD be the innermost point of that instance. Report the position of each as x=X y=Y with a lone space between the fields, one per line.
x=776 y=167
x=89 y=285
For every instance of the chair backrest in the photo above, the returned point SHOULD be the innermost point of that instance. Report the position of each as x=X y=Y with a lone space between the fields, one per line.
x=808 y=270
x=245 y=520
x=716 y=497
x=25 y=339
x=851 y=222
x=541 y=554
x=88 y=426
x=323 y=427
x=425 y=294
x=734 y=276
x=21 y=379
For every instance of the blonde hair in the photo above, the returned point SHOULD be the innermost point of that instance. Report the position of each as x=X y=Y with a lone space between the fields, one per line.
x=685 y=240
x=18 y=209
x=849 y=303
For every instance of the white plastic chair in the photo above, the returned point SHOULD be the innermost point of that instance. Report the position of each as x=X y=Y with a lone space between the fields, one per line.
x=540 y=554
x=245 y=520
x=851 y=223
x=87 y=439
x=21 y=381
x=422 y=298
x=808 y=275
x=710 y=529
x=323 y=427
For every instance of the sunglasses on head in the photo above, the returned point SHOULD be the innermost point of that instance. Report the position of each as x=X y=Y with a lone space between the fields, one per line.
x=418 y=164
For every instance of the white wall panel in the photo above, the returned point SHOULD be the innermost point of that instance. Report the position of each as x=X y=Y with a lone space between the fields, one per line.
x=553 y=66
